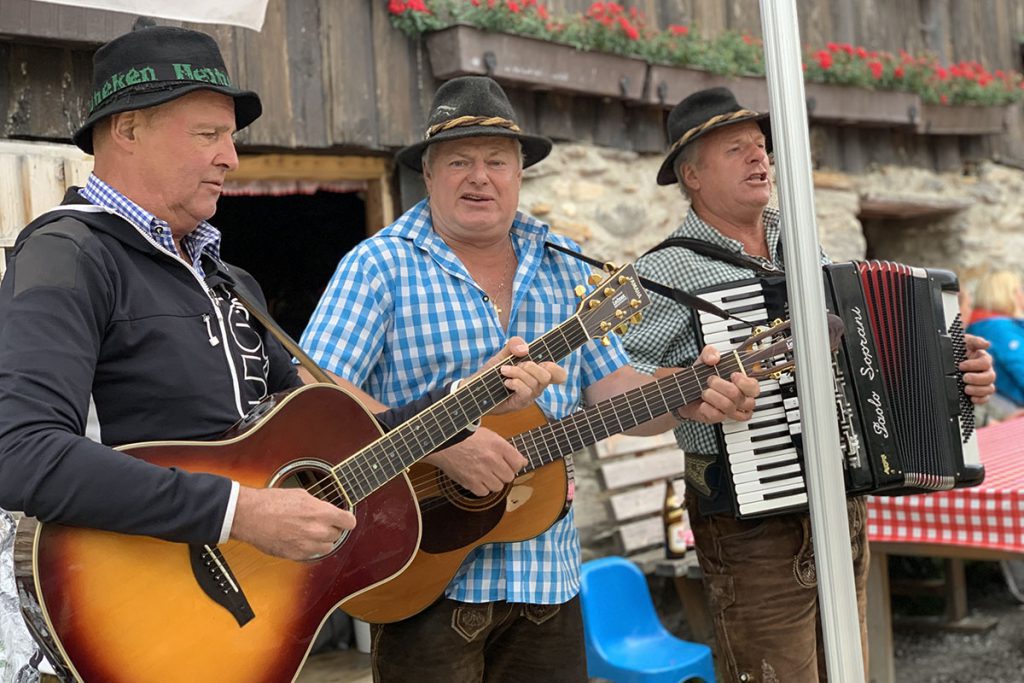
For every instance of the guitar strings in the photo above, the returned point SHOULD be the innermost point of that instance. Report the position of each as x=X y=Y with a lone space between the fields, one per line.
x=632 y=398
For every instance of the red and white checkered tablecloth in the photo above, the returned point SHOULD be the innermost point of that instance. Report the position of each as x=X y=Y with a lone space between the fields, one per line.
x=987 y=516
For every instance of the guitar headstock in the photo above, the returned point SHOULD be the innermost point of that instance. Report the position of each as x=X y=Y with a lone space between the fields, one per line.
x=769 y=352
x=615 y=303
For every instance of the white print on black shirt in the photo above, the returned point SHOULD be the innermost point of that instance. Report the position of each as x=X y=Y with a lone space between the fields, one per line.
x=248 y=346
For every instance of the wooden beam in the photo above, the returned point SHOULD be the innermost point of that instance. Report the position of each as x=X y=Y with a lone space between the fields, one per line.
x=380 y=205
x=903 y=206
x=308 y=167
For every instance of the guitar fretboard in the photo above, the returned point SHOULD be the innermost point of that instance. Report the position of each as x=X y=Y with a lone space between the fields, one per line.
x=383 y=460
x=545 y=444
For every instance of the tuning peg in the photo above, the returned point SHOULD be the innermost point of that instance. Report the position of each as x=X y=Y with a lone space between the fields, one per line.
x=620 y=314
x=635 y=318
x=605 y=341
x=595 y=279
x=581 y=291
x=605 y=326
x=594 y=304
x=634 y=303
x=623 y=279
x=621 y=329
x=776 y=322
x=608 y=291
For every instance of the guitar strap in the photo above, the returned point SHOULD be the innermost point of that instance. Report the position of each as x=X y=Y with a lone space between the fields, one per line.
x=674 y=293
x=759 y=266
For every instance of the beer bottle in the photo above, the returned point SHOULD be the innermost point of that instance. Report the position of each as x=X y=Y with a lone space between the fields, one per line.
x=674 y=519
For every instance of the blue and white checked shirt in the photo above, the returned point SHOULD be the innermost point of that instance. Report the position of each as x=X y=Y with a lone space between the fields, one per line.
x=204 y=238
x=402 y=315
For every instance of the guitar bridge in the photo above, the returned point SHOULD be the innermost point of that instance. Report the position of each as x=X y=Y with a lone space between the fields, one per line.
x=218 y=582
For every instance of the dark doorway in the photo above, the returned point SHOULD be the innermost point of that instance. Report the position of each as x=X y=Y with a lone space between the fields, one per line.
x=291 y=244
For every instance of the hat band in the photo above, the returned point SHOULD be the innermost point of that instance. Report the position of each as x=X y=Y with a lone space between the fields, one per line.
x=148 y=75
x=461 y=121
x=713 y=121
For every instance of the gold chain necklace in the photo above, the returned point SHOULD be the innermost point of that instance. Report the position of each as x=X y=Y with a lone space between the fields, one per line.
x=506 y=274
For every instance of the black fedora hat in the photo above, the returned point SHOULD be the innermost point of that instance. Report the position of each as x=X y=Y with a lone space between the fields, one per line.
x=473 y=106
x=701 y=113
x=155 y=65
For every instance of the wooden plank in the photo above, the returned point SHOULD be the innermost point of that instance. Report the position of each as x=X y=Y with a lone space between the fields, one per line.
x=263 y=67
x=643 y=533
x=709 y=17
x=47 y=92
x=554 y=116
x=655 y=466
x=308 y=167
x=815 y=18
x=620 y=444
x=612 y=129
x=642 y=501
x=881 y=668
x=311 y=109
x=404 y=85
x=893 y=205
x=348 y=50
x=13 y=213
x=646 y=130
x=42 y=179
x=40 y=21
x=380 y=205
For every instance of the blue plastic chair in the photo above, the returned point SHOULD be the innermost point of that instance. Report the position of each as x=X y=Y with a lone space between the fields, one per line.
x=626 y=641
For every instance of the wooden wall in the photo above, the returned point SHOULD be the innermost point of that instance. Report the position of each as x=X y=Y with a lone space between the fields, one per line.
x=334 y=75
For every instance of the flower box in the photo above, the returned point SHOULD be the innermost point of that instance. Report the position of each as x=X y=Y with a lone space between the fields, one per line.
x=941 y=119
x=848 y=105
x=668 y=85
x=524 y=61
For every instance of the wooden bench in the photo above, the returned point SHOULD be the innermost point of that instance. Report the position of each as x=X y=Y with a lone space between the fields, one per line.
x=631 y=473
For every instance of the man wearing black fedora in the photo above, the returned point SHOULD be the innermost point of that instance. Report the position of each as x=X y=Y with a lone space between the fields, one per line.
x=119 y=295
x=759 y=574
x=448 y=282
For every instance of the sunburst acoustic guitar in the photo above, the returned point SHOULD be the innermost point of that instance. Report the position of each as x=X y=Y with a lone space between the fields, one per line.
x=115 y=608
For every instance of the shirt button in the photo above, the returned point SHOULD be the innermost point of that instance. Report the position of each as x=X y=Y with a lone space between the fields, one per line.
x=159 y=230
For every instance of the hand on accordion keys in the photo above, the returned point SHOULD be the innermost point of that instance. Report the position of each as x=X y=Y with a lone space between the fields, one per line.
x=979 y=377
x=723 y=399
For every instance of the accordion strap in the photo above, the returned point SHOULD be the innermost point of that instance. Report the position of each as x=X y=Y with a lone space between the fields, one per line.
x=759 y=266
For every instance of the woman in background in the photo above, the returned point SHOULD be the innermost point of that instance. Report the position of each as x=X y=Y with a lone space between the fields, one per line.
x=997 y=316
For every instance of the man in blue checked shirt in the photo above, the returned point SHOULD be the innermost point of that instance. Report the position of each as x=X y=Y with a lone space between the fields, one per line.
x=425 y=300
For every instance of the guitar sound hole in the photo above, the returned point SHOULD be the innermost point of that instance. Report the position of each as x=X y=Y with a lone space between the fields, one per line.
x=316 y=478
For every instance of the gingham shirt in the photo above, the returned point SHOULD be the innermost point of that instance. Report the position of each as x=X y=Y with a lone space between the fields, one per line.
x=402 y=315
x=666 y=337
x=205 y=238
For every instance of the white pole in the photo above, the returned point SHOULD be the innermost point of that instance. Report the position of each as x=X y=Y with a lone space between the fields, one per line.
x=834 y=562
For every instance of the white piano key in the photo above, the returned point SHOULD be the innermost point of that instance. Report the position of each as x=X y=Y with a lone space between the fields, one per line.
x=717 y=296
x=745 y=455
x=781 y=503
x=754 y=437
x=747 y=451
x=788 y=455
x=759 y=490
x=758 y=475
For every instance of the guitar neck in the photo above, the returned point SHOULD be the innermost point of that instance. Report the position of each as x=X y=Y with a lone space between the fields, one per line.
x=384 y=459
x=545 y=444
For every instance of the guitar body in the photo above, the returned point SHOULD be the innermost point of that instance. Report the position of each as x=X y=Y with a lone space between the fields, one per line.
x=124 y=608
x=455 y=522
